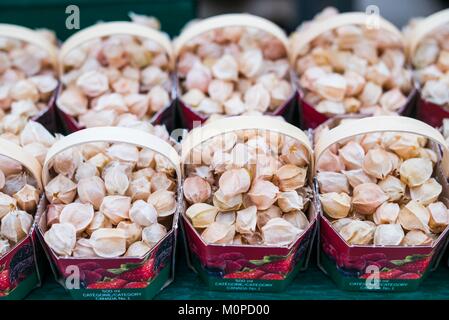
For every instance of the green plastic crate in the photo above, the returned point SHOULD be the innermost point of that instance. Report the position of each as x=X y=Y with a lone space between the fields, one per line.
x=50 y=14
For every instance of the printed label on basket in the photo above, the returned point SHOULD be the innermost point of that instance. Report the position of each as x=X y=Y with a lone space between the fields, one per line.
x=18 y=275
x=381 y=275
x=270 y=274
x=116 y=280
x=244 y=285
x=151 y=289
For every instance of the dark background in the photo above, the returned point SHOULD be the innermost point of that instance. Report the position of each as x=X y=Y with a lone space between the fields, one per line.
x=175 y=13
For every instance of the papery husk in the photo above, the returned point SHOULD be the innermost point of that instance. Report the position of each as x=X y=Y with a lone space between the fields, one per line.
x=393 y=187
x=340 y=223
x=263 y=194
x=133 y=231
x=404 y=145
x=290 y=201
x=60 y=190
x=36 y=150
x=143 y=213
x=201 y=214
x=414 y=216
x=152 y=234
x=227 y=218
x=160 y=181
x=35 y=132
x=100 y=160
x=91 y=190
x=78 y=214
x=164 y=202
x=294 y=153
x=218 y=233
x=109 y=243
x=86 y=170
x=15 y=225
x=61 y=238
x=332 y=182
x=414 y=172
x=352 y=155
x=336 y=205
x=234 y=181
x=329 y=161
x=297 y=218
x=146 y=159
x=380 y=163
x=4 y=247
x=83 y=249
x=9 y=166
x=227 y=204
x=116 y=181
x=387 y=213
x=196 y=189
x=246 y=220
x=417 y=238
x=99 y=221
x=439 y=217
x=264 y=216
x=66 y=162
x=358 y=232
x=358 y=176
x=123 y=152
x=426 y=193
x=279 y=232
x=7 y=204
x=53 y=213
x=291 y=177
x=367 y=198
x=139 y=189
x=116 y=208
x=388 y=235
x=2 y=179
x=137 y=249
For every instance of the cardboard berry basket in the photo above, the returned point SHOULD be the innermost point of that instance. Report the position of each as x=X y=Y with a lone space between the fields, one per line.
x=188 y=114
x=428 y=111
x=310 y=118
x=380 y=268
x=164 y=116
x=21 y=267
x=245 y=267
x=46 y=117
x=120 y=278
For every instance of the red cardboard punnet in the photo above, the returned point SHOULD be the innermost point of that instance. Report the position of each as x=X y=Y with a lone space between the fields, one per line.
x=121 y=278
x=230 y=267
x=46 y=117
x=165 y=116
x=20 y=267
x=304 y=38
x=427 y=111
x=189 y=115
x=380 y=268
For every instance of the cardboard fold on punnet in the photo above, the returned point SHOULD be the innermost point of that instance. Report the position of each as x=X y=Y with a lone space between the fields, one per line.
x=137 y=277
x=190 y=117
x=381 y=268
x=241 y=267
x=430 y=112
x=20 y=266
x=309 y=117
x=165 y=116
